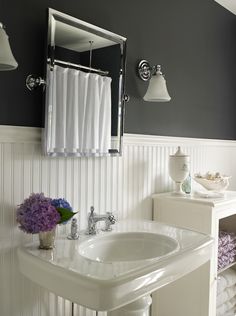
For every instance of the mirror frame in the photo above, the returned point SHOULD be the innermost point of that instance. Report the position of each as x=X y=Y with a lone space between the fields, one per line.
x=53 y=16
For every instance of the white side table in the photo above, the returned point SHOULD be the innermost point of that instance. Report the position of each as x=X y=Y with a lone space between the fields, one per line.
x=194 y=294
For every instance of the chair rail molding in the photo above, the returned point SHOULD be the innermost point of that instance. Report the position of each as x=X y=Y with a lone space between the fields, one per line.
x=24 y=134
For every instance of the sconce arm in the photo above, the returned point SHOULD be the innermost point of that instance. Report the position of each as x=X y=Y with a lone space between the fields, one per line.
x=156 y=70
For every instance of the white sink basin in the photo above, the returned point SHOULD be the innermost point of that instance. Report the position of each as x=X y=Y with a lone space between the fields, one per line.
x=130 y=246
x=115 y=268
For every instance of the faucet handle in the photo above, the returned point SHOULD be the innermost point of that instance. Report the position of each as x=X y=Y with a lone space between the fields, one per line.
x=111 y=218
x=109 y=221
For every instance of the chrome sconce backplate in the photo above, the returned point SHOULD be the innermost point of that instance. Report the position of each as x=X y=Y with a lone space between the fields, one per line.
x=144 y=70
x=33 y=82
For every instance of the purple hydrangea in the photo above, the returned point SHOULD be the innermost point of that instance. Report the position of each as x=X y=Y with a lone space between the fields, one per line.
x=37 y=214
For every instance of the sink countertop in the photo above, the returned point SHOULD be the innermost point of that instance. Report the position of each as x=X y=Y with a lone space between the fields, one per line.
x=109 y=285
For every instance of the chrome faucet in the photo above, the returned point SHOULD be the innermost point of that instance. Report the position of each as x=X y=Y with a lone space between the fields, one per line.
x=93 y=218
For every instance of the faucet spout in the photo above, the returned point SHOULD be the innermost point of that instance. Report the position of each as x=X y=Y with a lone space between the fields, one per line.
x=93 y=218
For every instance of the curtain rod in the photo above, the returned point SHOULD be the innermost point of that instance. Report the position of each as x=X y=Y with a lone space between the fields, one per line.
x=68 y=64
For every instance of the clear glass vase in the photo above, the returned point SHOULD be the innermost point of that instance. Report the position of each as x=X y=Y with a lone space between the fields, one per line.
x=47 y=239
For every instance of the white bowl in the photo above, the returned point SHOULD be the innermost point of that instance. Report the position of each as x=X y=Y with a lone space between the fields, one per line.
x=218 y=184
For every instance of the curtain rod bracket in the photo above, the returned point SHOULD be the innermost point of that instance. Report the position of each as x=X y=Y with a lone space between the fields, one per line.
x=32 y=82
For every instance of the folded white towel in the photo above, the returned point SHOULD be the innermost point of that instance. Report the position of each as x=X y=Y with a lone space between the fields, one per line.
x=226 y=295
x=221 y=284
x=230 y=276
x=226 y=307
x=226 y=279
x=230 y=312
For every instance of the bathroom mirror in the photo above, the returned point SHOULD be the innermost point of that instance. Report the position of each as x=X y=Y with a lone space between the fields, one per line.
x=85 y=75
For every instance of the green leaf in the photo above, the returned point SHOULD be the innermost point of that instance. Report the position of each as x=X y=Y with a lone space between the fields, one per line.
x=65 y=214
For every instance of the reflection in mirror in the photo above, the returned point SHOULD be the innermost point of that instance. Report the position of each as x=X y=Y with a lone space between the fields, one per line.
x=85 y=89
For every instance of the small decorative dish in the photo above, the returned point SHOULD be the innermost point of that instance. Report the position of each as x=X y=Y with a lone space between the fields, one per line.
x=213 y=182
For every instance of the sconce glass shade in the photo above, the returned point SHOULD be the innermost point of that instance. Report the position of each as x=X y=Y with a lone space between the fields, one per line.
x=157 y=89
x=7 y=60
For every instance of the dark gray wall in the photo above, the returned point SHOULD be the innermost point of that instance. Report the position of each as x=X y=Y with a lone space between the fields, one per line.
x=194 y=41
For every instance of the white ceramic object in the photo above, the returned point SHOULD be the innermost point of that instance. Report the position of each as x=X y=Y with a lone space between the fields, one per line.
x=179 y=169
x=125 y=247
x=157 y=89
x=217 y=185
x=108 y=284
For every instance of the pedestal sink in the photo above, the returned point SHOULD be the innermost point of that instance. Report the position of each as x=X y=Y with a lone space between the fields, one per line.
x=113 y=269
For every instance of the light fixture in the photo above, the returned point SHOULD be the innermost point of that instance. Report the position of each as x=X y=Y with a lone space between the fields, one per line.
x=157 y=90
x=7 y=60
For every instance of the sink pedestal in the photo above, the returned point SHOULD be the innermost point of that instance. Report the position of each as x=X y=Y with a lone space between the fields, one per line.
x=141 y=307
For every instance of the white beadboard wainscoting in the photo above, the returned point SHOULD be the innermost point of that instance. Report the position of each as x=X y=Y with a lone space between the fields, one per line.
x=123 y=185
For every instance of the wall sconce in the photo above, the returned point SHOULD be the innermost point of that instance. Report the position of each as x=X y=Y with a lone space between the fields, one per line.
x=157 y=89
x=7 y=60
